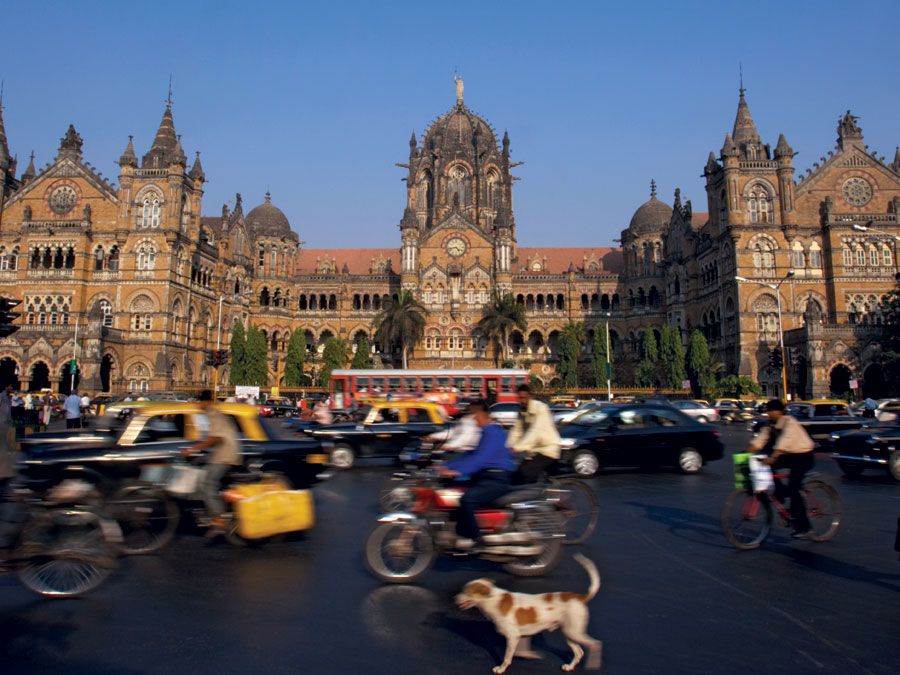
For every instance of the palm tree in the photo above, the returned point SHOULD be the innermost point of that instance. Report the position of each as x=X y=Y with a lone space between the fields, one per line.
x=500 y=317
x=402 y=322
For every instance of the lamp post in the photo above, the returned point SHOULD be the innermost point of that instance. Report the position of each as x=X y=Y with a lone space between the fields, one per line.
x=869 y=228
x=608 y=366
x=775 y=288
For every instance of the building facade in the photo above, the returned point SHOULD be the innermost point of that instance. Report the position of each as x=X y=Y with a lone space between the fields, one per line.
x=138 y=283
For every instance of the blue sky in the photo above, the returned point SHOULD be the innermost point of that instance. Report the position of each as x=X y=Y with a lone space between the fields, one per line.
x=316 y=101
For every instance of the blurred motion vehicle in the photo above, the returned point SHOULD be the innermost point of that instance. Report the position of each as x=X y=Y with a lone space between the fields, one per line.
x=384 y=429
x=566 y=415
x=58 y=546
x=820 y=418
x=888 y=410
x=638 y=435
x=505 y=414
x=131 y=436
x=732 y=410
x=874 y=446
x=564 y=400
x=700 y=411
x=278 y=406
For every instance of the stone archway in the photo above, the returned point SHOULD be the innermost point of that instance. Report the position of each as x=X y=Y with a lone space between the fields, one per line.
x=39 y=377
x=839 y=380
x=9 y=373
x=873 y=384
x=66 y=382
x=107 y=365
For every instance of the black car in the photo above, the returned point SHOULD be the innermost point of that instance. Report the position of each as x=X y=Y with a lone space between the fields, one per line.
x=820 y=419
x=876 y=445
x=638 y=435
x=126 y=439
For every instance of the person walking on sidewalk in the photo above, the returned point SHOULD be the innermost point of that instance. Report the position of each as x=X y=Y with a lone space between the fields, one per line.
x=72 y=407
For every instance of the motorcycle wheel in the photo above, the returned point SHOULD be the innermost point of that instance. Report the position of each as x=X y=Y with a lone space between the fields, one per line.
x=549 y=557
x=71 y=555
x=396 y=496
x=389 y=559
x=147 y=516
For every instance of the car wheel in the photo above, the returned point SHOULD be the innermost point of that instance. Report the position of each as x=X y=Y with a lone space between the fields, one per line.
x=894 y=464
x=690 y=461
x=585 y=463
x=342 y=457
x=702 y=419
x=852 y=469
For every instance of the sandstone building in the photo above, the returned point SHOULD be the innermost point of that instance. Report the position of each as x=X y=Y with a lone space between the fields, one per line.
x=147 y=281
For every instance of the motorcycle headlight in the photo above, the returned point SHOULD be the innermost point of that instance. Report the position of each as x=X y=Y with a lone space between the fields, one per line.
x=568 y=442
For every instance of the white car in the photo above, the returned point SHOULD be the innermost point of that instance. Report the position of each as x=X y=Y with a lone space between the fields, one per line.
x=566 y=416
x=698 y=411
x=505 y=414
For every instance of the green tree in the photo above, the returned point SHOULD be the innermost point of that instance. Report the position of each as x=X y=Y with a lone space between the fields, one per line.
x=889 y=338
x=735 y=386
x=500 y=317
x=362 y=359
x=571 y=341
x=671 y=358
x=401 y=322
x=295 y=359
x=335 y=355
x=599 y=360
x=646 y=372
x=256 y=364
x=699 y=365
x=237 y=347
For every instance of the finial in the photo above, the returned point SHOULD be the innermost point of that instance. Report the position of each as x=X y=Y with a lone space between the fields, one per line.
x=268 y=196
x=652 y=188
x=459 y=87
x=169 y=97
x=741 y=73
x=1 y=96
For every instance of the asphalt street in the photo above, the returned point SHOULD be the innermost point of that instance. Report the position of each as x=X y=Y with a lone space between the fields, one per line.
x=676 y=597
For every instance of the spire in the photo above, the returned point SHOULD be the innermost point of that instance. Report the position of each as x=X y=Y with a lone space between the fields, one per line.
x=163 y=148
x=744 y=127
x=783 y=149
x=652 y=188
x=197 y=170
x=412 y=140
x=895 y=165
x=29 y=172
x=178 y=156
x=729 y=149
x=128 y=157
x=711 y=163
x=70 y=145
x=238 y=205
x=4 y=146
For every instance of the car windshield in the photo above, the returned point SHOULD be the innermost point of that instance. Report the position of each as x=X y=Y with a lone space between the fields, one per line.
x=591 y=417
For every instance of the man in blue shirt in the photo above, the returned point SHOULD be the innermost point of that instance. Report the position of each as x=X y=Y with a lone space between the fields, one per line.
x=488 y=467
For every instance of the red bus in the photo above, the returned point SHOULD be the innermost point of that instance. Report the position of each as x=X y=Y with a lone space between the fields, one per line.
x=440 y=385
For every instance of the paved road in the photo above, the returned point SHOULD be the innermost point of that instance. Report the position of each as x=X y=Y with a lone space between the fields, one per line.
x=675 y=598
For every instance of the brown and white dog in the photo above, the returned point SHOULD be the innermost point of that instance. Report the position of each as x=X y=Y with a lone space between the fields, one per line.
x=517 y=616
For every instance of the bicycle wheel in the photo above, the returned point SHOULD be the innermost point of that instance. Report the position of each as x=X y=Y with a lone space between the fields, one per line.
x=746 y=519
x=823 y=506
x=579 y=508
x=148 y=518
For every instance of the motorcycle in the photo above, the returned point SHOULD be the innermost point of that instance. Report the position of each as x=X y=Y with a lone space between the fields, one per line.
x=523 y=531
x=57 y=546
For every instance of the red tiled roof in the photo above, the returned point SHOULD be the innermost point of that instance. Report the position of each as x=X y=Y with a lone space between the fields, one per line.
x=359 y=260
x=698 y=220
x=558 y=259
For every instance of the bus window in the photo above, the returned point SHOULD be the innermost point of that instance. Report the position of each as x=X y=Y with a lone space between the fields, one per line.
x=476 y=386
x=362 y=383
x=443 y=383
x=427 y=383
x=377 y=384
x=520 y=380
x=393 y=384
x=340 y=385
x=409 y=385
x=507 y=384
x=459 y=383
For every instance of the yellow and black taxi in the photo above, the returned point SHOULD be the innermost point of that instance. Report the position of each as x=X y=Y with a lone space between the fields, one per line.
x=131 y=435
x=383 y=429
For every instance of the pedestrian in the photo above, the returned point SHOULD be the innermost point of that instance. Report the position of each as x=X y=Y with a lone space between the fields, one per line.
x=219 y=436
x=72 y=406
x=322 y=414
x=7 y=439
x=534 y=436
x=47 y=410
x=17 y=406
x=787 y=445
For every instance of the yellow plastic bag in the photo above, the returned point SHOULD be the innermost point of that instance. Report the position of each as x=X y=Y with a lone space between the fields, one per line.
x=269 y=513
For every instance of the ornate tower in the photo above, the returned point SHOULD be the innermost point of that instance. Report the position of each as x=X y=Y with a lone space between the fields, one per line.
x=8 y=182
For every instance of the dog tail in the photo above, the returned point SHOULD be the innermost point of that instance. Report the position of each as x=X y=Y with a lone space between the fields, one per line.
x=591 y=569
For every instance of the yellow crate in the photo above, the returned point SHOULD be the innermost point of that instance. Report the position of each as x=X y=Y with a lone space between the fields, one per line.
x=269 y=513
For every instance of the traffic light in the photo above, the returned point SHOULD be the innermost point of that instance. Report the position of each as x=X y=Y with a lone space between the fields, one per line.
x=221 y=357
x=7 y=316
x=775 y=358
x=210 y=357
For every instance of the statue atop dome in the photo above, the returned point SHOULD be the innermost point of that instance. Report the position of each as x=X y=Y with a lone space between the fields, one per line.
x=459 y=88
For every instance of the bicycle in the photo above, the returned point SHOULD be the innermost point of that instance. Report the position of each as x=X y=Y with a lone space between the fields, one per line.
x=747 y=516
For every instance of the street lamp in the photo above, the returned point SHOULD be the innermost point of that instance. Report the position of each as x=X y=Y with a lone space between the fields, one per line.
x=869 y=228
x=608 y=366
x=775 y=287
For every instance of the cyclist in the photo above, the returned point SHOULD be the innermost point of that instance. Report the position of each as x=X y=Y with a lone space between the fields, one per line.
x=535 y=436
x=788 y=446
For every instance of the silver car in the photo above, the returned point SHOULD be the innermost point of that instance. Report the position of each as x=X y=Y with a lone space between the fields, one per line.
x=701 y=412
x=505 y=414
x=569 y=414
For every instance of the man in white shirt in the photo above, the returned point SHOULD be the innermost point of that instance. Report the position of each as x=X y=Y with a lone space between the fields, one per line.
x=534 y=436
x=72 y=406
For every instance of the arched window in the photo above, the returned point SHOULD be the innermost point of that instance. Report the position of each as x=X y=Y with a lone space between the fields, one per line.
x=150 y=211
x=766 y=309
x=493 y=190
x=760 y=205
x=763 y=256
x=887 y=259
x=146 y=257
x=860 y=257
x=142 y=313
x=8 y=260
x=847 y=256
x=456 y=186
x=873 y=256
x=815 y=256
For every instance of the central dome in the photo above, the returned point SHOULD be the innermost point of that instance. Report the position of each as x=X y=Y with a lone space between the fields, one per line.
x=267 y=220
x=652 y=216
x=459 y=127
